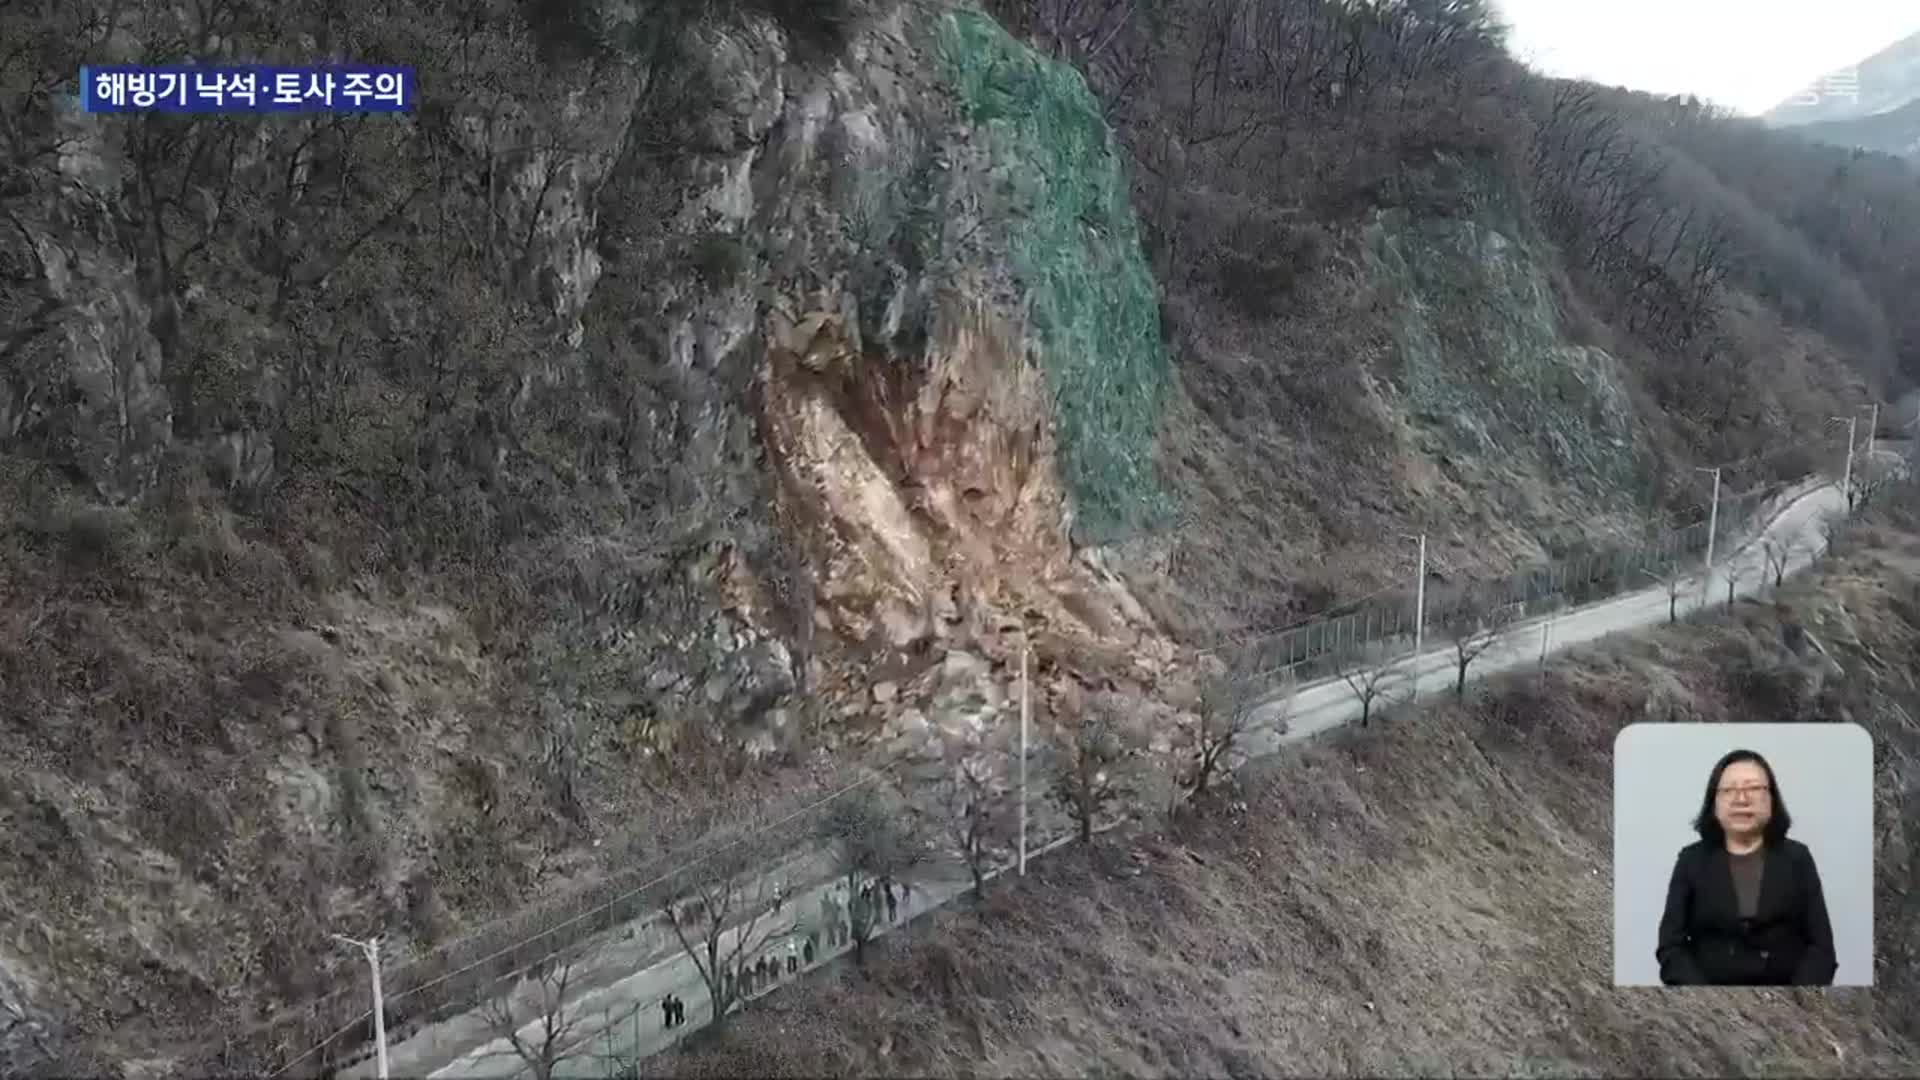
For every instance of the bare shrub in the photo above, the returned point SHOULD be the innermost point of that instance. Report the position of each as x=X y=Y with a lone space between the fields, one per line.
x=721 y=912
x=1372 y=675
x=1771 y=687
x=1090 y=754
x=1210 y=737
x=538 y=1021
x=1673 y=578
x=873 y=844
x=1473 y=625
x=975 y=813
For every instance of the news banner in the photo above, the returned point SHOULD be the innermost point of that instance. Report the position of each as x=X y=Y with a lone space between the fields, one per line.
x=248 y=88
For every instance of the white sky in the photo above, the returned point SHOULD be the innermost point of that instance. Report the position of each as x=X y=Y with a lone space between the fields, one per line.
x=1745 y=54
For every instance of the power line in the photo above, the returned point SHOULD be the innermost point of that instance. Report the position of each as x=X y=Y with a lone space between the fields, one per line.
x=316 y=1047
x=872 y=774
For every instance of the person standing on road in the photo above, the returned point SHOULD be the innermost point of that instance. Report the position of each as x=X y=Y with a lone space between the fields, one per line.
x=893 y=905
x=793 y=955
x=666 y=1011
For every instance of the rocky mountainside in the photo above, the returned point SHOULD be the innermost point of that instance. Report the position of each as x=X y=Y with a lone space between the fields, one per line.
x=408 y=519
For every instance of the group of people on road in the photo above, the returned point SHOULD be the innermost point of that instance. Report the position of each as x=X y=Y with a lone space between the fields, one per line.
x=839 y=914
x=802 y=945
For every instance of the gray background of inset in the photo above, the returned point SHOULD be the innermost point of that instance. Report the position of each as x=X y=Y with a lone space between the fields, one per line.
x=1660 y=772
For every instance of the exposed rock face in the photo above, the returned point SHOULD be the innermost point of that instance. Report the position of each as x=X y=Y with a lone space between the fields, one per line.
x=764 y=325
x=84 y=378
x=902 y=407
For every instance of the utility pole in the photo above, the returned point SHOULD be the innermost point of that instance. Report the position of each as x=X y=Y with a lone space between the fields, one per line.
x=1419 y=594
x=371 y=949
x=1846 y=475
x=1026 y=711
x=1713 y=526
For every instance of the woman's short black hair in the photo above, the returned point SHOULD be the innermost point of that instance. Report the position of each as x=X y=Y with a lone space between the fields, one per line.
x=1708 y=826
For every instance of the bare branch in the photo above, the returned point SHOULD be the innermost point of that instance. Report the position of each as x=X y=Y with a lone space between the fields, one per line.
x=874 y=844
x=1370 y=680
x=539 y=1030
x=722 y=918
x=1473 y=625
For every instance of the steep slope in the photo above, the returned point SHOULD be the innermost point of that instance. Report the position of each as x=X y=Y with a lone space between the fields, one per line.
x=415 y=521
x=342 y=592
x=1427 y=898
x=1449 y=297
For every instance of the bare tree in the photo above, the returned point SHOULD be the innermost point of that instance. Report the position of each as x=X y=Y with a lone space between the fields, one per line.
x=1473 y=625
x=541 y=1028
x=972 y=803
x=1833 y=532
x=723 y=917
x=1370 y=681
x=873 y=843
x=1778 y=554
x=1869 y=479
x=1674 y=577
x=1211 y=735
x=1090 y=754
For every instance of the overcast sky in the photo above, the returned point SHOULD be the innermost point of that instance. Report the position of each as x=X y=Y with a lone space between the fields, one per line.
x=1745 y=54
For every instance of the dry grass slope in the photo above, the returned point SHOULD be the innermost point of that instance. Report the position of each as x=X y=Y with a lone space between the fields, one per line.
x=1429 y=898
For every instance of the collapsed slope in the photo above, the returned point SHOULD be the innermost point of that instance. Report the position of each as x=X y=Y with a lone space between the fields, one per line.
x=339 y=593
x=410 y=520
x=1430 y=897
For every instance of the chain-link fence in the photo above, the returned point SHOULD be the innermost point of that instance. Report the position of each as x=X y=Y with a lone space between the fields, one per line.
x=622 y=918
x=1385 y=623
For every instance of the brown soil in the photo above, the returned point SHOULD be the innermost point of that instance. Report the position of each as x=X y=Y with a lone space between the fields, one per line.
x=1428 y=897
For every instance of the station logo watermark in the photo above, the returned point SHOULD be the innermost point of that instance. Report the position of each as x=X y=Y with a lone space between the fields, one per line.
x=1842 y=85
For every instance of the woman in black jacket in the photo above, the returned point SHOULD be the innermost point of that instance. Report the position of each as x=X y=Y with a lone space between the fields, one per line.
x=1745 y=906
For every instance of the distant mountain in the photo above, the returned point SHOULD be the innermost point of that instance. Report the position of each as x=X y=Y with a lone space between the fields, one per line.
x=1882 y=83
x=1896 y=132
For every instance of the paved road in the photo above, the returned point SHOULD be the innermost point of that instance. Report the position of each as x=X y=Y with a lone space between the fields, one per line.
x=1798 y=524
x=616 y=1005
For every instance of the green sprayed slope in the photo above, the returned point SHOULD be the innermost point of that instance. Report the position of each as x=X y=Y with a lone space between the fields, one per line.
x=1484 y=360
x=1075 y=249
